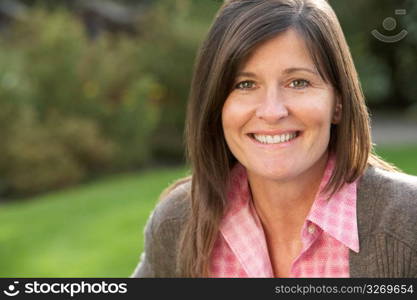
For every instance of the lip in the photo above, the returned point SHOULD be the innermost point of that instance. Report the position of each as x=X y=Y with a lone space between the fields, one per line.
x=274 y=132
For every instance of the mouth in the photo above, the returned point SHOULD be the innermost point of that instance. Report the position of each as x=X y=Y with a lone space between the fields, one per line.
x=275 y=138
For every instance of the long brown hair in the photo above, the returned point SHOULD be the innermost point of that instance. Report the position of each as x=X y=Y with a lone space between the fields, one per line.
x=238 y=28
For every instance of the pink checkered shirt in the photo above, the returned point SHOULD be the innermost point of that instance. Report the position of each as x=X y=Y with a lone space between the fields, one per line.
x=328 y=233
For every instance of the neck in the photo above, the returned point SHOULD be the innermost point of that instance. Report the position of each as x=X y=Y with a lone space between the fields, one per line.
x=282 y=206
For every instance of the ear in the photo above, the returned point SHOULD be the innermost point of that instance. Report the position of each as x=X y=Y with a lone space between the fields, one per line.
x=337 y=114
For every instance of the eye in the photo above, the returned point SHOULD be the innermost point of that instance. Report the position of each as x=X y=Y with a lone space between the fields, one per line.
x=245 y=85
x=299 y=83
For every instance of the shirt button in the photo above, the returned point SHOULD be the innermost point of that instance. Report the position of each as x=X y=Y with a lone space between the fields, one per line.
x=311 y=228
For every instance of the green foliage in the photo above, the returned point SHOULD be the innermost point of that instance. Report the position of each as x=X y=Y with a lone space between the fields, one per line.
x=70 y=107
x=32 y=160
x=171 y=34
x=94 y=105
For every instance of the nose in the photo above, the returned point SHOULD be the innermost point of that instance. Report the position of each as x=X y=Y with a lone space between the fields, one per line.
x=273 y=107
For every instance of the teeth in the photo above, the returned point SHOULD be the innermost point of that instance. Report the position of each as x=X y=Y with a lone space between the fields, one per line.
x=275 y=139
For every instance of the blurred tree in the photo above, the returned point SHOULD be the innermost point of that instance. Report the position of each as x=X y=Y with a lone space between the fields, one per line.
x=172 y=33
x=10 y=11
x=70 y=108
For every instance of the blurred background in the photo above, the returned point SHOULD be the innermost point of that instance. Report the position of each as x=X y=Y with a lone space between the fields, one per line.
x=92 y=107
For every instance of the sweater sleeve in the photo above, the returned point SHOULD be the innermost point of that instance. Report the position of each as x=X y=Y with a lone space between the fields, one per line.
x=145 y=266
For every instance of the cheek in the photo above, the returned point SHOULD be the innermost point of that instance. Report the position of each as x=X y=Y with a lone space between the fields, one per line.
x=318 y=111
x=321 y=117
x=234 y=117
x=316 y=115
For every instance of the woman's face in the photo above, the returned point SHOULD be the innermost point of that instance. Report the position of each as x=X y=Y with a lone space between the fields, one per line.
x=277 y=118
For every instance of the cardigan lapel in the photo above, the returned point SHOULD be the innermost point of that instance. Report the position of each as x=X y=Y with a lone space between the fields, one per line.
x=365 y=203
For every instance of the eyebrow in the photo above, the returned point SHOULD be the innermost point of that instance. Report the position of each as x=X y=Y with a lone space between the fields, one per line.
x=293 y=70
x=286 y=72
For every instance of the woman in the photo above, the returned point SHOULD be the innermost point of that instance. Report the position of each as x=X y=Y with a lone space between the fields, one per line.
x=284 y=182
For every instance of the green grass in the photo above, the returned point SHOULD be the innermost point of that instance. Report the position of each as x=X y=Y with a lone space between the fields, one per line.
x=96 y=230
x=404 y=157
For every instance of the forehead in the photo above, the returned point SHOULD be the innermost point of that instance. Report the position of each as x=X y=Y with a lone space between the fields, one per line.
x=286 y=50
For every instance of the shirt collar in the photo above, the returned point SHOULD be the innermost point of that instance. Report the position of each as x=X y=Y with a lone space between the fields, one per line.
x=242 y=229
x=336 y=215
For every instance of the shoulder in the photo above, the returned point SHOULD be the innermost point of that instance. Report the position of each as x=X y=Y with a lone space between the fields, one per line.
x=167 y=220
x=174 y=202
x=162 y=232
x=398 y=189
x=387 y=202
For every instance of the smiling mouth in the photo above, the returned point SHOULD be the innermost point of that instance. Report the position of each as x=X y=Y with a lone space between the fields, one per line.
x=275 y=139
